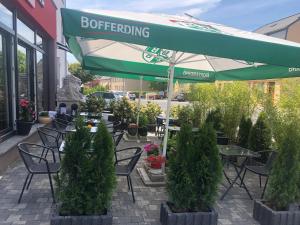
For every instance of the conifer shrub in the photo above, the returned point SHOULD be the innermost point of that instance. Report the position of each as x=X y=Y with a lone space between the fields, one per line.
x=195 y=170
x=260 y=135
x=283 y=188
x=244 y=132
x=87 y=176
x=215 y=117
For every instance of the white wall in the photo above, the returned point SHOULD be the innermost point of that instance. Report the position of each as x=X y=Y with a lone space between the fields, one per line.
x=61 y=54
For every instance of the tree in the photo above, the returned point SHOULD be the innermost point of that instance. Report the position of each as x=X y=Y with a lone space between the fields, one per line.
x=76 y=70
x=158 y=86
x=195 y=170
x=284 y=182
x=244 y=131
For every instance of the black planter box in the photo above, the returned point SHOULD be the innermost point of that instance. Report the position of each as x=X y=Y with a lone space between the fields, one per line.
x=82 y=220
x=142 y=131
x=23 y=127
x=151 y=127
x=266 y=216
x=167 y=217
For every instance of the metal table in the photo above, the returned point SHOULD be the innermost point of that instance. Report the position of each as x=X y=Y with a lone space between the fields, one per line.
x=230 y=151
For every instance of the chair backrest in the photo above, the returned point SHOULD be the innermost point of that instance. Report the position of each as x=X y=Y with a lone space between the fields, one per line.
x=48 y=136
x=222 y=140
x=60 y=124
x=117 y=127
x=134 y=159
x=271 y=158
x=25 y=154
x=117 y=138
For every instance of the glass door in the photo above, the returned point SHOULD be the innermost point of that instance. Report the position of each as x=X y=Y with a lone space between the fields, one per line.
x=4 y=95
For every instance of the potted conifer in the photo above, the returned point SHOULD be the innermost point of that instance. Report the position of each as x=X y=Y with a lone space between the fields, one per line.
x=194 y=172
x=142 y=129
x=281 y=205
x=87 y=178
x=244 y=131
x=44 y=117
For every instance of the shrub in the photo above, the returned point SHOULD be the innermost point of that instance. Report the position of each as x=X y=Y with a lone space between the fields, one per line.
x=143 y=121
x=260 y=135
x=152 y=110
x=244 y=131
x=123 y=110
x=215 y=117
x=185 y=115
x=284 y=182
x=195 y=170
x=94 y=104
x=87 y=178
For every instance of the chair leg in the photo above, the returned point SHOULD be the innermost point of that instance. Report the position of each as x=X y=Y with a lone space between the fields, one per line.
x=29 y=182
x=263 y=193
x=260 y=181
x=242 y=181
x=51 y=186
x=130 y=182
x=23 y=187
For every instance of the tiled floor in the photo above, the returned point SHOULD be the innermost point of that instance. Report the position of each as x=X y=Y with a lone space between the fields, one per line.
x=37 y=207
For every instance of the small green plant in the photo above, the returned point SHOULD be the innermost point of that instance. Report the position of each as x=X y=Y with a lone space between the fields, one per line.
x=143 y=120
x=44 y=113
x=244 y=131
x=87 y=90
x=152 y=110
x=215 y=117
x=283 y=188
x=123 y=110
x=94 y=104
x=185 y=115
x=195 y=170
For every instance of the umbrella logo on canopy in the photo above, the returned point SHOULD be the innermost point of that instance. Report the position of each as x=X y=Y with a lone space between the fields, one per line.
x=197 y=26
x=156 y=55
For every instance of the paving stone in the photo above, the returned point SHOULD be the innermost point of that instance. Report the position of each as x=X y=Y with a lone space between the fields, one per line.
x=36 y=206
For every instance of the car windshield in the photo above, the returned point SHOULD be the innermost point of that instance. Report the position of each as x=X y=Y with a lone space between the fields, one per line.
x=108 y=95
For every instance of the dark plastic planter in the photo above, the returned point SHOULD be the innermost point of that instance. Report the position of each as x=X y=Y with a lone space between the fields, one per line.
x=167 y=217
x=82 y=220
x=142 y=131
x=132 y=130
x=23 y=127
x=151 y=127
x=267 y=216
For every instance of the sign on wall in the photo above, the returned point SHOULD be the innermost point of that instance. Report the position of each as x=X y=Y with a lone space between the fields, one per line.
x=32 y=3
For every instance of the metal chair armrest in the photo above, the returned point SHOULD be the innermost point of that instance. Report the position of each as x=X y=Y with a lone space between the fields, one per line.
x=125 y=149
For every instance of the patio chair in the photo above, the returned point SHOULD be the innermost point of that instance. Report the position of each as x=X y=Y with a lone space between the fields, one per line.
x=117 y=139
x=262 y=170
x=50 y=138
x=160 y=127
x=125 y=170
x=37 y=165
x=61 y=125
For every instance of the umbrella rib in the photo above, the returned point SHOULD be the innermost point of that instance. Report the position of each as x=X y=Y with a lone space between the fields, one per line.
x=179 y=57
x=187 y=58
x=100 y=48
x=140 y=49
x=210 y=63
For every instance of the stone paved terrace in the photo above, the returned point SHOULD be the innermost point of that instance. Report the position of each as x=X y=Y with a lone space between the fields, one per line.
x=36 y=206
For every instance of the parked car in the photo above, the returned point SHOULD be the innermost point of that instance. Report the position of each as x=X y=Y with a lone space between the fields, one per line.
x=180 y=97
x=118 y=94
x=107 y=96
x=131 y=96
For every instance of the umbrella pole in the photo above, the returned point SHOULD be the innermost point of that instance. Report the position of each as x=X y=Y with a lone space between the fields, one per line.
x=170 y=93
x=139 y=102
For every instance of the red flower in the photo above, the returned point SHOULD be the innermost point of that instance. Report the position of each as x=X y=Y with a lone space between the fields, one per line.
x=155 y=161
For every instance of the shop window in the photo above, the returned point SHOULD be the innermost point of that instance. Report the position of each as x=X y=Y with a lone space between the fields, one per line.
x=23 y=72
x=4 y=101
x=6 y=16
x=39 y=41
x=25 y=31
x=40 y=82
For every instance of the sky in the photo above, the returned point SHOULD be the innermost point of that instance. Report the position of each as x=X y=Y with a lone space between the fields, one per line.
x=243 y=14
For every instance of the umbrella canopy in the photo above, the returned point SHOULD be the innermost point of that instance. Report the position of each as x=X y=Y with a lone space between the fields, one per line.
x=123 y=43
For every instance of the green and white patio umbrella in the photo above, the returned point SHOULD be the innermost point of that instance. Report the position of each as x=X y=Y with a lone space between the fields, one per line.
x=130 y=45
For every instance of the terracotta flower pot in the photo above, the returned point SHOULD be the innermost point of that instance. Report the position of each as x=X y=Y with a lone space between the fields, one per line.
x=44 y=119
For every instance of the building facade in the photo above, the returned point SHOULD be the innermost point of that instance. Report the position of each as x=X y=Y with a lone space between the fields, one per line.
x=287 y=28
x=31 y=66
